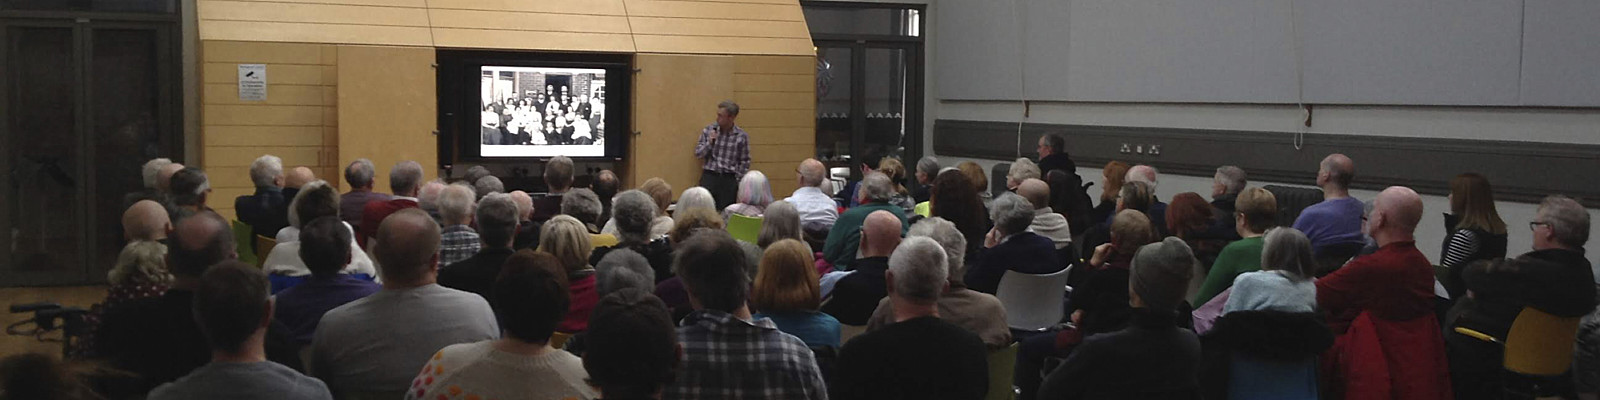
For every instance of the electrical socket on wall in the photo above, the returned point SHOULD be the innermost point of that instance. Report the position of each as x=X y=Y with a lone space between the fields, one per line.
x=1155 y=149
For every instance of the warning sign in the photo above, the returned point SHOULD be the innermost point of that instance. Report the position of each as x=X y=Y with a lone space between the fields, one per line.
x=252 y=82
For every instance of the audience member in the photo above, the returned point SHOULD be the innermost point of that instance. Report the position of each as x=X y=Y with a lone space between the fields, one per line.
x=527 y=236
x=605 y=186
x=285 y=265
x=1153 y=357
x=633 y=217
x=727 y=355
x=267 y=210
x=475 y=173
x=980 y=183
x=558 y=178
x=583 y=205
x=1381 y=309
x=405 y=179
x=755 y=193
x=1257 y=210
x=1189 y=218
x=294 y=178
x=1053 y=154
x=428 y=199
x=977 y=312
x=459 y=240
x=919 y=356
x=1225 y=187
x=146 y=220
x=1157 y=210
x=1473 y=229
x=782 y=221
x=635 y=346
x=896 y=171
x=1021 y=170
x=164 y=177
x=818 y=211
x=567 y=239
x=140 y=273
x=1046 y=222
x=1554 y=278
x=497 y=223
x=1011 y=247
x=1336 y=221
x=373 y=345
x=1111 y=180
x=843 y=239
x=1136 y=196
x=320 y=204
x=1102 y=301
x=154 y=188
x=190 y=190
x=694 y=198
x=486 y=185
x=233 y=310
x=786 y=292
x=955 y=201
x=529 y=297
x=42 y=376
x=1266 y=344
x=325 y=247
x=856 y=294
x=927 y=169
x=623 y=269
x=671 y=290
x=359 y=175
x=1284 y=283
x=661 y=192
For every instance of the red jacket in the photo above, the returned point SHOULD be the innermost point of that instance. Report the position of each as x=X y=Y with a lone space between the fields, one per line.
x=373 y=214
x=583 y=298
x=1394 y=283
x=1379 y=359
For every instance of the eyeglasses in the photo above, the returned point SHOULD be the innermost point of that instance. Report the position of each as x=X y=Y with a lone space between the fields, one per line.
x=1533 y=226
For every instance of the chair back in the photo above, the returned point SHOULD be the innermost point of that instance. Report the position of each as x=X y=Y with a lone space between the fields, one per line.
x=242 y=240
x=264 y=245
x=743 y=228
x=997 y=178
x=1251 y=378
x=1033 y=302
x=1002 y=368
x=599 y=240
x=559 y=339
x=1540 y=343
x=924 y=209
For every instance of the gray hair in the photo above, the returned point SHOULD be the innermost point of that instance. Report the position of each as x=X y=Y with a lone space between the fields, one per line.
x=732 y=107
x=1232 y=178
x=955 y=244
x=428 y=196
x=633 y=211
x=1288 y=250
x=497 y=220
x=475 y=173
x=812 y=176
x=928 y=166
x=301 y=197
x=488 y=184
x=623 y=269
x=152 y=172
x=1567 y=219
x=265 y=170
x=582 y=204
x=455 y=204
x=695 y=197
x=920 y=270
x=876 y=186
x=360 y=172
x=1011 y=213
x=404 y=177
x=1161 y=272
x=1143 y=173
x=1023 y=169
x=558 y=173
x=780 y=221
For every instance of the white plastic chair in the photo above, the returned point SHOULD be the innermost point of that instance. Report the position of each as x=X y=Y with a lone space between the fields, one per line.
x=838 y=176
x=1033 y=302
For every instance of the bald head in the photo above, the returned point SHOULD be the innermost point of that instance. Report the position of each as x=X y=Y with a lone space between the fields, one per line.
x=1395 y=215
x=1143 y=173
x=164 y=177
x=146 y=220
x=198 y=242
x=1037 y=192
x=880 y=233
x=408 y=248
x=1336 y=170
x=812 y=172
x=299 y=176
x=524 y=204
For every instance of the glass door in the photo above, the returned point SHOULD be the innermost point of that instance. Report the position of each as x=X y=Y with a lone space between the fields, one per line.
x=869 y=82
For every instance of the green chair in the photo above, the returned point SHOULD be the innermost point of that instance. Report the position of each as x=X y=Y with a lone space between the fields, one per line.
x=1002 y=365
x=744 y=228
x=245 y=241
x=924 y=209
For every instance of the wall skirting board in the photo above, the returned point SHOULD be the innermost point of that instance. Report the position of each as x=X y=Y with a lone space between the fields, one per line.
x=1519 y=171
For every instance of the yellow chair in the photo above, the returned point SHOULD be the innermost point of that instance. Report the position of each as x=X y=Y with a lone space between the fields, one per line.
x=264 y=247
x=1538 y=346
x=241 y=240
x=1002 y=368
x=602 y=240
x=743 y=228
x=558 y=339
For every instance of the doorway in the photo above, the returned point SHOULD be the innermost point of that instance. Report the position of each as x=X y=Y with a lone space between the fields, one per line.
x=869 y=81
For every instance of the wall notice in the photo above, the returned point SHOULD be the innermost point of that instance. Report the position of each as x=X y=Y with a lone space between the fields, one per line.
x=252 y=82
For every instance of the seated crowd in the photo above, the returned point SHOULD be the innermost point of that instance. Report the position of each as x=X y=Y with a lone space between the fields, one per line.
x=462 y=290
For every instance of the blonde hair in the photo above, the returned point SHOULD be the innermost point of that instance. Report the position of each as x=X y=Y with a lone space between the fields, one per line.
x=786 y=279
x=1130 y=230
x=141 y=262
x=689 y=220
x=895 y=170
x=1260 y=209
x=660 y=191
x=567 y=239
x=1472 y=199
x=974 y=173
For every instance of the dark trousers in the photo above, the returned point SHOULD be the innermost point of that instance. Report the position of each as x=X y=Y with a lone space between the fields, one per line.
x=724 y=186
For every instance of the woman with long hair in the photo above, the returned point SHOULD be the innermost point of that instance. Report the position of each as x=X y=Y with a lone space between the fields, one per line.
x=954 y=199
x=896 y=171
x=1475 y=230
x=786 y=290
x=1113 y=174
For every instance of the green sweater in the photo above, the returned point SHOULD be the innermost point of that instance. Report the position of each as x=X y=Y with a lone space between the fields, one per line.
x=1238 y=258
x=845 y=237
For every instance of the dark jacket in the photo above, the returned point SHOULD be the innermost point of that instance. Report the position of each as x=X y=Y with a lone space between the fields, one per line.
x=158 y=340
x=527 y=236
x=1060 y=160
x=1024 y=252
x=1273 y=336
x=475 y=274
x=266 y=211
x=1490 y=246
x=1556 y=281
x=1103 y=296
x=658 y=252
x=1151 y=359
x=856 y=296
x=1226 y=217
x=546 y=207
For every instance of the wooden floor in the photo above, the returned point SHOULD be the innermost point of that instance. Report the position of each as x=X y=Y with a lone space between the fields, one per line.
x=72 y=296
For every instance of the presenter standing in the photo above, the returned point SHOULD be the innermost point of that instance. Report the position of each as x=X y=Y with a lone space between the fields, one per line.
x=725 y=150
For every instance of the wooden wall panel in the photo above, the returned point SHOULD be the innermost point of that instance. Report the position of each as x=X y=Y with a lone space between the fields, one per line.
x=779 y=116
x=674 y=98
x=530 y=40
x=292 y=123
x=387 y=117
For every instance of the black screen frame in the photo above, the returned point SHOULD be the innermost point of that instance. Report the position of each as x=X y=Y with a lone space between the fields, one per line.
x=458 y=96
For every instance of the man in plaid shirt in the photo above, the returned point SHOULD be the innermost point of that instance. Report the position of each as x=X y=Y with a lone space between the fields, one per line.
x=726 y=151
x=458 y=241
x=726 y=354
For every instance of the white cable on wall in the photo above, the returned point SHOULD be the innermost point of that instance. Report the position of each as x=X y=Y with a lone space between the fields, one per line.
x=1299 y=80
x=1022 y=68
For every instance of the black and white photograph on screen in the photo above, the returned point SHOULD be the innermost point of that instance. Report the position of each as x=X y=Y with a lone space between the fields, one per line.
x=542 y=112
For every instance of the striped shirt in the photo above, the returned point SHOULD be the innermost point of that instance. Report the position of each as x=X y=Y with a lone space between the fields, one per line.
x=1461 y=246
x=730 y=153
x=725 y=357
x=456 y=243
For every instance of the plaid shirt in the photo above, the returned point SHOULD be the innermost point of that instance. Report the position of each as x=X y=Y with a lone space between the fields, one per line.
x=729 y=358
x=458 y=242
x=730 y=153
